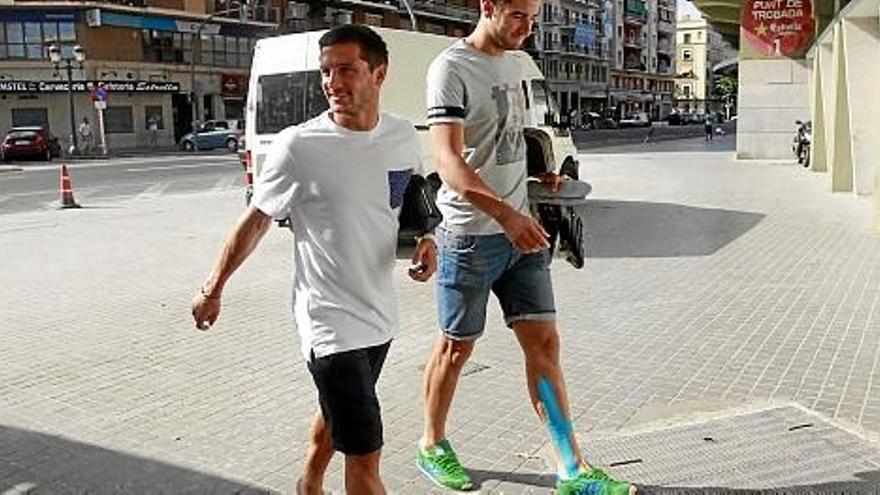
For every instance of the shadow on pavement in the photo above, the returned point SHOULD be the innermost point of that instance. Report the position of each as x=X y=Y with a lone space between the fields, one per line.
x=635 y=229
x=541 y=480
x=722 y=144
x=868 y=482
x=32 y=462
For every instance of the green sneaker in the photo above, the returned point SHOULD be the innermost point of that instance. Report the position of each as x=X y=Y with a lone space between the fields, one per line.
x=595 y=482
x=440 y=465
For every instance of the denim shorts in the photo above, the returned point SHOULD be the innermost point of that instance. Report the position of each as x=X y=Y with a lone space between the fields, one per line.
x=472 y=265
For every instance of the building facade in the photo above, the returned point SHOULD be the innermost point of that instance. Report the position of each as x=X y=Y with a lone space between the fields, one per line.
x=172 y=62
x=643 y=69
x=700 y=48
x=572 y=46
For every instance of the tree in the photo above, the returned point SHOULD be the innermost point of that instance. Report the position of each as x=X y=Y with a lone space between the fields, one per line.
x=724 y=89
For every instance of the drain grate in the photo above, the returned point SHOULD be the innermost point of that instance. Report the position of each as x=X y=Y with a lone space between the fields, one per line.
x=472 y=367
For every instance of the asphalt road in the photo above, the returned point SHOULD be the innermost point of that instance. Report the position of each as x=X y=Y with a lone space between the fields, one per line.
x=28 y=186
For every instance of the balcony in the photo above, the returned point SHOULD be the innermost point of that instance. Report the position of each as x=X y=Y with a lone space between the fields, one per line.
x=440 y=8
x=665 y=25
x=553 y=47
x=665 y=49
x=637 y=66
x=554 y=19
x=633 y=43
x=634 y=12
x=583 y=51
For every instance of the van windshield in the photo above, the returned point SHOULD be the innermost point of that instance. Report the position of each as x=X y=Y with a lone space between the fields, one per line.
x=288 y=99
x=544 y=101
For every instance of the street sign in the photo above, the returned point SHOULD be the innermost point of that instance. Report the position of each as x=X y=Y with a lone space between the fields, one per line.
x=100 y=104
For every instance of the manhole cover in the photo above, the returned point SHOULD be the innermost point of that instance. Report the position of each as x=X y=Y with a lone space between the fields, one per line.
x=778 y=449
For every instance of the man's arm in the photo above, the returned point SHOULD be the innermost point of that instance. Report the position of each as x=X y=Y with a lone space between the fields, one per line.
x=525 y=232
x=251 y=227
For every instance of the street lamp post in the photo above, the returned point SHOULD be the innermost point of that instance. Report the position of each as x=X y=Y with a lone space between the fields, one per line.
x=79 y=56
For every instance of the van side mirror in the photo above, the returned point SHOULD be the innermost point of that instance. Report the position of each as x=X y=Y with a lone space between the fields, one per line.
x=798 y=122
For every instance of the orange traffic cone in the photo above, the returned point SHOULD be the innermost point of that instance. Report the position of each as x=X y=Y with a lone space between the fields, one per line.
x=248 y=178
x=67 y=200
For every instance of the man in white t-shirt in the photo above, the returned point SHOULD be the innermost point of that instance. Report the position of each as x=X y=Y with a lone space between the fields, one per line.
x=340 y=178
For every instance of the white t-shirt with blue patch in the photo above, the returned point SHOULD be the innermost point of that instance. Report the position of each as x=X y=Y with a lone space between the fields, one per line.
x=342 y=190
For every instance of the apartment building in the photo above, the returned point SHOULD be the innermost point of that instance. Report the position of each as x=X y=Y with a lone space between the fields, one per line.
x=700 y=48
x=170 y=61
x=643 y=68
x=572 y=46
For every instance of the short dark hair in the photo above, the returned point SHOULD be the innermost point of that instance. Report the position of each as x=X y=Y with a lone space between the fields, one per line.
x=373 y=48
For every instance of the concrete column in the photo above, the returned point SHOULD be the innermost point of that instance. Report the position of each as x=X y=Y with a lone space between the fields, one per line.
x=862 y=41
x=876 y=60
x=826 y=98
x=819 y=146
x=773 y=94
x=841 y=146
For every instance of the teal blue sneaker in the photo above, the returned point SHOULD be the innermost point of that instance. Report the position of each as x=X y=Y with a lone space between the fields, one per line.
x=440 y=465
x=594 y=482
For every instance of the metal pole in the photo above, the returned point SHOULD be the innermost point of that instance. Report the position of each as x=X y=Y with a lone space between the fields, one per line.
x=412 y=18
x=197 y=41
x=74 y=150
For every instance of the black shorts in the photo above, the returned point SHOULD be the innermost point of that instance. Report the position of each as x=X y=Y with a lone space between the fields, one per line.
x=346 y=384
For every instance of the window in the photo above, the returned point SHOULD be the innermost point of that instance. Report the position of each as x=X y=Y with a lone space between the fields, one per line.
x=375 y=20
x=119 y=120
x=165 y=46
x=288 y=99
x=686 y=55
x=686 y=89
x=22 y=117
x=687 y=37
x=30 y=39
x=153 y=113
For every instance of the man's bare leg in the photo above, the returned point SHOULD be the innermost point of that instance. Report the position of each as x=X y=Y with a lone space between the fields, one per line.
x=317 y=458
x=539 y=341
x=540 y=345
x=441 y=377
x=362 y=474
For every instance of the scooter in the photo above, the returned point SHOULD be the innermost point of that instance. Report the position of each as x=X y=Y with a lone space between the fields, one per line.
x=802 y=140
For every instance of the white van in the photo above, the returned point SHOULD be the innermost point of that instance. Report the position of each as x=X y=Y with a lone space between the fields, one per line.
x=285 y=89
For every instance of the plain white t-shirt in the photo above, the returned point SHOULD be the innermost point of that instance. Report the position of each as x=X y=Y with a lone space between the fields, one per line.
x=342 y=190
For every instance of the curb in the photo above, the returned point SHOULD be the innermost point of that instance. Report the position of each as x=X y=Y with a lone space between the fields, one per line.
x=10 y=168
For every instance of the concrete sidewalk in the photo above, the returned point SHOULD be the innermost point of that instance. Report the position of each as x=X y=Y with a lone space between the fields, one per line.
x=716 y=291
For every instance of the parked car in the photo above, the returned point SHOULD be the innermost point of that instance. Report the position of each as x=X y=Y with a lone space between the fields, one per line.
x=676 y=118
x=30 y=142
x=214 y=134
x=635 y=120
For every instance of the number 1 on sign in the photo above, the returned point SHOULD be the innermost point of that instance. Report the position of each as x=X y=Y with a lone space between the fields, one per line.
x=777 y=46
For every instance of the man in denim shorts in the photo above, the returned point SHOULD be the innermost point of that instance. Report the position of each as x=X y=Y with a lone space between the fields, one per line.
x=488 y=241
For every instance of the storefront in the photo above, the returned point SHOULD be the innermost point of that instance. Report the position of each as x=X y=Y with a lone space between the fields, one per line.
x=130 y=106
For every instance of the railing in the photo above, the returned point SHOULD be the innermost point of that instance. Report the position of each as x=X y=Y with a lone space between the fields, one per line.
x=583 y=51
x=665 y=25
x=456 y=11
x=556 y=18
x=633 y=43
